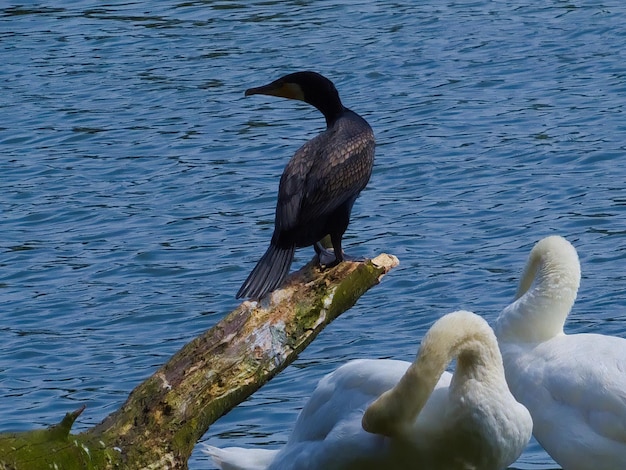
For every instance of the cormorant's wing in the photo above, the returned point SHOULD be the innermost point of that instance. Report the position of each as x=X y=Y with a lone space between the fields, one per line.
x=324 y=173
x=292 y=183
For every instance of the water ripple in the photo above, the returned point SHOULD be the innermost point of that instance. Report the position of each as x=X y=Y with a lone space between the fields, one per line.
x=139 y=184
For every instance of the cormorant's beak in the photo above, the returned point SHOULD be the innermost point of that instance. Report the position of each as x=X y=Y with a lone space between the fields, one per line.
x=278 y=88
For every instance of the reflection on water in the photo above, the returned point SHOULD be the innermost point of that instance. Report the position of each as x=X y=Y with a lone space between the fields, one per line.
x=139 y=184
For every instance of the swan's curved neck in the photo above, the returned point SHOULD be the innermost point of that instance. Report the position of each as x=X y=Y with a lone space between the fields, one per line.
x=546 y=293
x=459 y=334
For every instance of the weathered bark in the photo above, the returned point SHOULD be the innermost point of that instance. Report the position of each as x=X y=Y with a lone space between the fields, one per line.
x=165 y=416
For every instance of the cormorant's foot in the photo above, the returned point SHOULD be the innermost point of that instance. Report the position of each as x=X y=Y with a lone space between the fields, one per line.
x=327 y=259
x=330 y=263
x=324 y=255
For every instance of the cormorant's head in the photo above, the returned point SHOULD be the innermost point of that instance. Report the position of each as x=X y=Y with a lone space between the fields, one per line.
x=310 y=87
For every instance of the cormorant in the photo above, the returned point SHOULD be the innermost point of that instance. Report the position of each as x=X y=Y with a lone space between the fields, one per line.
x=319 y=184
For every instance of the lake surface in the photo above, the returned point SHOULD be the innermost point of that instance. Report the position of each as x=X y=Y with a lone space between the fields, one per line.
x=138 y=184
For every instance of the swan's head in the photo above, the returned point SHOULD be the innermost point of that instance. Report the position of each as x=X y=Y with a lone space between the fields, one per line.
x=546 y=293
x=554 y=262
x=462 y=335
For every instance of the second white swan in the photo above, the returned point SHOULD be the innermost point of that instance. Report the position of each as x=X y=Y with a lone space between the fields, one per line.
x=573 y=385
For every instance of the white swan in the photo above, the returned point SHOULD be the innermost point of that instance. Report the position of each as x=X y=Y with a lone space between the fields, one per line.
x=421 y=416
x=573 y=385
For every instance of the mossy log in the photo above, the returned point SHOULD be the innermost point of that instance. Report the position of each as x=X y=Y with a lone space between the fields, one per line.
x=165 y=416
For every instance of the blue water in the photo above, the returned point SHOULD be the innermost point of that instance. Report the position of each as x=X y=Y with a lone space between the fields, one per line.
x=138 y=184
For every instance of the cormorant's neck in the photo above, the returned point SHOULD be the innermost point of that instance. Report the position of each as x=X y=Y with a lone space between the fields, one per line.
x=329 y=105
x=331 y=117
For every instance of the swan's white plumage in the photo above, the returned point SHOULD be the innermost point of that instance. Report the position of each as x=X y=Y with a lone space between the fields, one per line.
x=240 y=458
x=573 y=385
x=418 y=414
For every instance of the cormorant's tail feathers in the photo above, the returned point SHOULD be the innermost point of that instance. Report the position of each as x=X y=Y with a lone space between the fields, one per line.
x=269 y=273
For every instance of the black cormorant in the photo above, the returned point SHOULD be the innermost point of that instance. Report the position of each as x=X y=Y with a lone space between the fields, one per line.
x=319 y=184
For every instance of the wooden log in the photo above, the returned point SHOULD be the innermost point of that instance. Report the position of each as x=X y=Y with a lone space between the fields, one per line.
x=165 y=416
